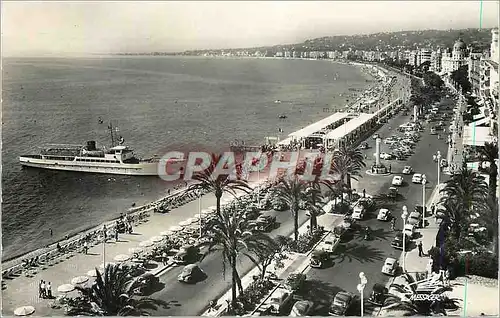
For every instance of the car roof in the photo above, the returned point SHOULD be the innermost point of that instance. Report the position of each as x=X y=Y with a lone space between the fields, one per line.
x=390 y=260
x=384 y=210
x=343 y=296
x=417 y=174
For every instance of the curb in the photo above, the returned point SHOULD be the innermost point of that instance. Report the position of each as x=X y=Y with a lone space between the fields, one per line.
x=163 y=270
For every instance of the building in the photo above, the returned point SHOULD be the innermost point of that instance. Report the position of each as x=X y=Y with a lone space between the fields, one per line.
x=474 y=61
x=436 y=57
x=451 y=61
x=425 y=56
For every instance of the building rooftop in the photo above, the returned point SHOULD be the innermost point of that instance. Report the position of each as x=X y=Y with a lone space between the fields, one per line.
x=349 y=127
x=317 y=126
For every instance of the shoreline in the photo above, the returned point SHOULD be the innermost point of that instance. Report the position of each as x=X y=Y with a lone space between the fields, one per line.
x=70 y=237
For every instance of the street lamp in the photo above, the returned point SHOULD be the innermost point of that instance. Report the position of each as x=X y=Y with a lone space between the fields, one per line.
x=199 y=211
x=439 y=166
x=104 y=234
x=424 y=181
x=403 y=216
x=361 y=288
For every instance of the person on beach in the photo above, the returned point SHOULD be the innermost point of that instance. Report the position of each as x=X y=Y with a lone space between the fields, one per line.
x=48 y=290
x=164 y=258
x=42 y=289
x=85 y=247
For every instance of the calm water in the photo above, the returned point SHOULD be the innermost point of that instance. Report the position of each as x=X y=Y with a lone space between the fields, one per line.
x=158 y=103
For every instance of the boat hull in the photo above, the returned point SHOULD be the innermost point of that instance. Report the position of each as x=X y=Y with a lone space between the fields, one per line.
x=139 y=169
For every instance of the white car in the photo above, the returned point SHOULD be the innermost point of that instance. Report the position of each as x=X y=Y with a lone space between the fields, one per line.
x=407 y=170
x=417 y=178
x=385 y=156
x=397 y=181
x=409 y=230
x=390 y=266
x=358 y=213
x=383 y=215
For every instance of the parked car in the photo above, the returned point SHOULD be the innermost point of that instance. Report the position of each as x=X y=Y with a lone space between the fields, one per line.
x=378 y=294
x=329 y=243
x=384 y=215
x=359 y=212
x=375 y=136
x=281 y=302
x=433 y=131
x=385 y=156
x=301 y=308
x=187 y=254
x=415 y=219
x=409 y=230
x=265 y=223
x=397 y=242
x=393 y=193
x=363 y=145
x=191 y=273
x=145 y=283
x=397 y=181
x=390 y=266
x=417 y=178
x=319 y=258
x=407 y=170
x=341 y=303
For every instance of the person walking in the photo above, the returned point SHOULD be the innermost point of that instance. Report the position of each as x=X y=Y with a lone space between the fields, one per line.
x=164 y=258
x=116 y=234
x=420 y=249
x=364 y=193
x=85 y=247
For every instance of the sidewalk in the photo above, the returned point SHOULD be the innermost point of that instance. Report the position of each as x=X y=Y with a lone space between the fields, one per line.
x=23 y=291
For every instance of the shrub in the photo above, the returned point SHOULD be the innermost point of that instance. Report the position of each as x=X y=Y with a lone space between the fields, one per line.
x=341 y=208
x=306 y=241
x=482 y=264
x=254 y=293
x=295 y=282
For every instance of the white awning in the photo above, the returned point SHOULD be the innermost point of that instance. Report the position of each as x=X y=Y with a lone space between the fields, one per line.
x=476 y=136
x=349 y=127
x=317 y=126
x=479 y=122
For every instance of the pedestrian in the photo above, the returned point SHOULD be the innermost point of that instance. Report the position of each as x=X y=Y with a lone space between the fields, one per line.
x=50 y=230
x=116 y=235
x=390 y=168
x=434 y=158
x=48 y=290
x=42 y=289
x=420 y=249
x=433 y=208
x=85 y=247
x=364 y=193
x=164 y=258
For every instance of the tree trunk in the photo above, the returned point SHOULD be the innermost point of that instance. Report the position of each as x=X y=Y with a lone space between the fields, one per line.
x=493 y=180
x=295 y=213
x=233 y=282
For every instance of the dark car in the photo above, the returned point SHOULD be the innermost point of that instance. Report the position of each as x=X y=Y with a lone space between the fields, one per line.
x=319 y=258
x=397 y=242
x=187 y=254
x=266 y=223
x=144 y=284
x=301 y=308
x=378 y=294
x=341 y=303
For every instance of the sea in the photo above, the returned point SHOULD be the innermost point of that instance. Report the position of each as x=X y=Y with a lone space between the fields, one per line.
x=158 y=104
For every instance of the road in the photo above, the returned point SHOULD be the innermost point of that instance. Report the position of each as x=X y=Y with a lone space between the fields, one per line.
x=193 y=299
x=356 y=255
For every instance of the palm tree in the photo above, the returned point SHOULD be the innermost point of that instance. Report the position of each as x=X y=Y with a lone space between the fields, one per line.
x=314 y=205
x=348 y=161
x=292 y=191
x=112 y=295
x=490 y=152
x=210 y=181
x=468 y=188
x=233 y=235
x=454 y=217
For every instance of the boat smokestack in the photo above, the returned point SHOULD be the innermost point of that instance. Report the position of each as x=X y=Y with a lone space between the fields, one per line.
x=91 y=145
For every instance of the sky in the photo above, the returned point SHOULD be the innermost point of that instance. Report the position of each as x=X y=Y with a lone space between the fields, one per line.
x=58 y=28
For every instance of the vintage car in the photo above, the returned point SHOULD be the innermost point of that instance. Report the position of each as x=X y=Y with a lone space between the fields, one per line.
x=378 y=294
x=319 y=258
x=397 y=242
x=397 y=181
x=390 y=266
x=187 y=254
x=384 y=215
x=191 y=273
x=145 y=283
x=417 y=178
x=341 y=303
x=265 y=223
x=407 y=170
x=301 y=308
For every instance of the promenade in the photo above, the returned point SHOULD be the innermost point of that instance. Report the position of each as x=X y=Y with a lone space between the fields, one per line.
x=23 y=291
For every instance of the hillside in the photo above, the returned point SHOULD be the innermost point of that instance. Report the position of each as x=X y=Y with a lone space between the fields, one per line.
x=387 y=41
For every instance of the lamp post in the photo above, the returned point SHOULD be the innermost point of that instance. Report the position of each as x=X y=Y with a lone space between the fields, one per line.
x=424 y=181
x=361 y=288
x=199 y=211
x=403 y=216
x=104 y=234
x=438 y=156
